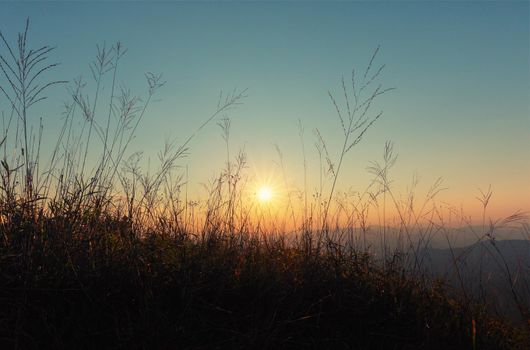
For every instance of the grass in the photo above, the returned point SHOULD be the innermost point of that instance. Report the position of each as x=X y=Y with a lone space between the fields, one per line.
x=100 y=254
x=113 y=290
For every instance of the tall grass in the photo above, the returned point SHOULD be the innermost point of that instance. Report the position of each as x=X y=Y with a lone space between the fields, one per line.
x=97 y=252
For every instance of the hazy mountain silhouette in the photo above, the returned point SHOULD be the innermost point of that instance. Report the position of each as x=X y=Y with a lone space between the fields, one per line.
x=487 y=270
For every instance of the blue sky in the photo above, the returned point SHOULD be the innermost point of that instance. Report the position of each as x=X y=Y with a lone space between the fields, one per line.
x=461 y=71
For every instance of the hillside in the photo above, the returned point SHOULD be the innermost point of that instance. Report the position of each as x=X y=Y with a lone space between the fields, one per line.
x=109 y=289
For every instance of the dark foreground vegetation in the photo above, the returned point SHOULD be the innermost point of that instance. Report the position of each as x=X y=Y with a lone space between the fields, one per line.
x=95 y=253
x=97 y=285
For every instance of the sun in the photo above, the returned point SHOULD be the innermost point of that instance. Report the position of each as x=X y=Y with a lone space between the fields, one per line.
x=264 y=194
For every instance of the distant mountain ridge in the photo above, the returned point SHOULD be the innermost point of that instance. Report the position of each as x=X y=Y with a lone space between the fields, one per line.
x=487 y=269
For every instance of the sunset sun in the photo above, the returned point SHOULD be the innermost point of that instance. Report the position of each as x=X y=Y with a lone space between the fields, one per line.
x=264 y=194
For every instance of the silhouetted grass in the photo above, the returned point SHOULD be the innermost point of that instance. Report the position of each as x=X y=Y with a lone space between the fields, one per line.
x=112 y=257
x=117 y=290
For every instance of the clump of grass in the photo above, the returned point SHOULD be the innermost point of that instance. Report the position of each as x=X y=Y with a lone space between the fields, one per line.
x=163 y=291
x=97 y=253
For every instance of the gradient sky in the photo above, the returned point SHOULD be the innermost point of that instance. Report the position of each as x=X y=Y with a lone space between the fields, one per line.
x=460 y=111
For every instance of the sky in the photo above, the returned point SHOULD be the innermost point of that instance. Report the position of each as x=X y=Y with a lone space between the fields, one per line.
x=460 y=109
